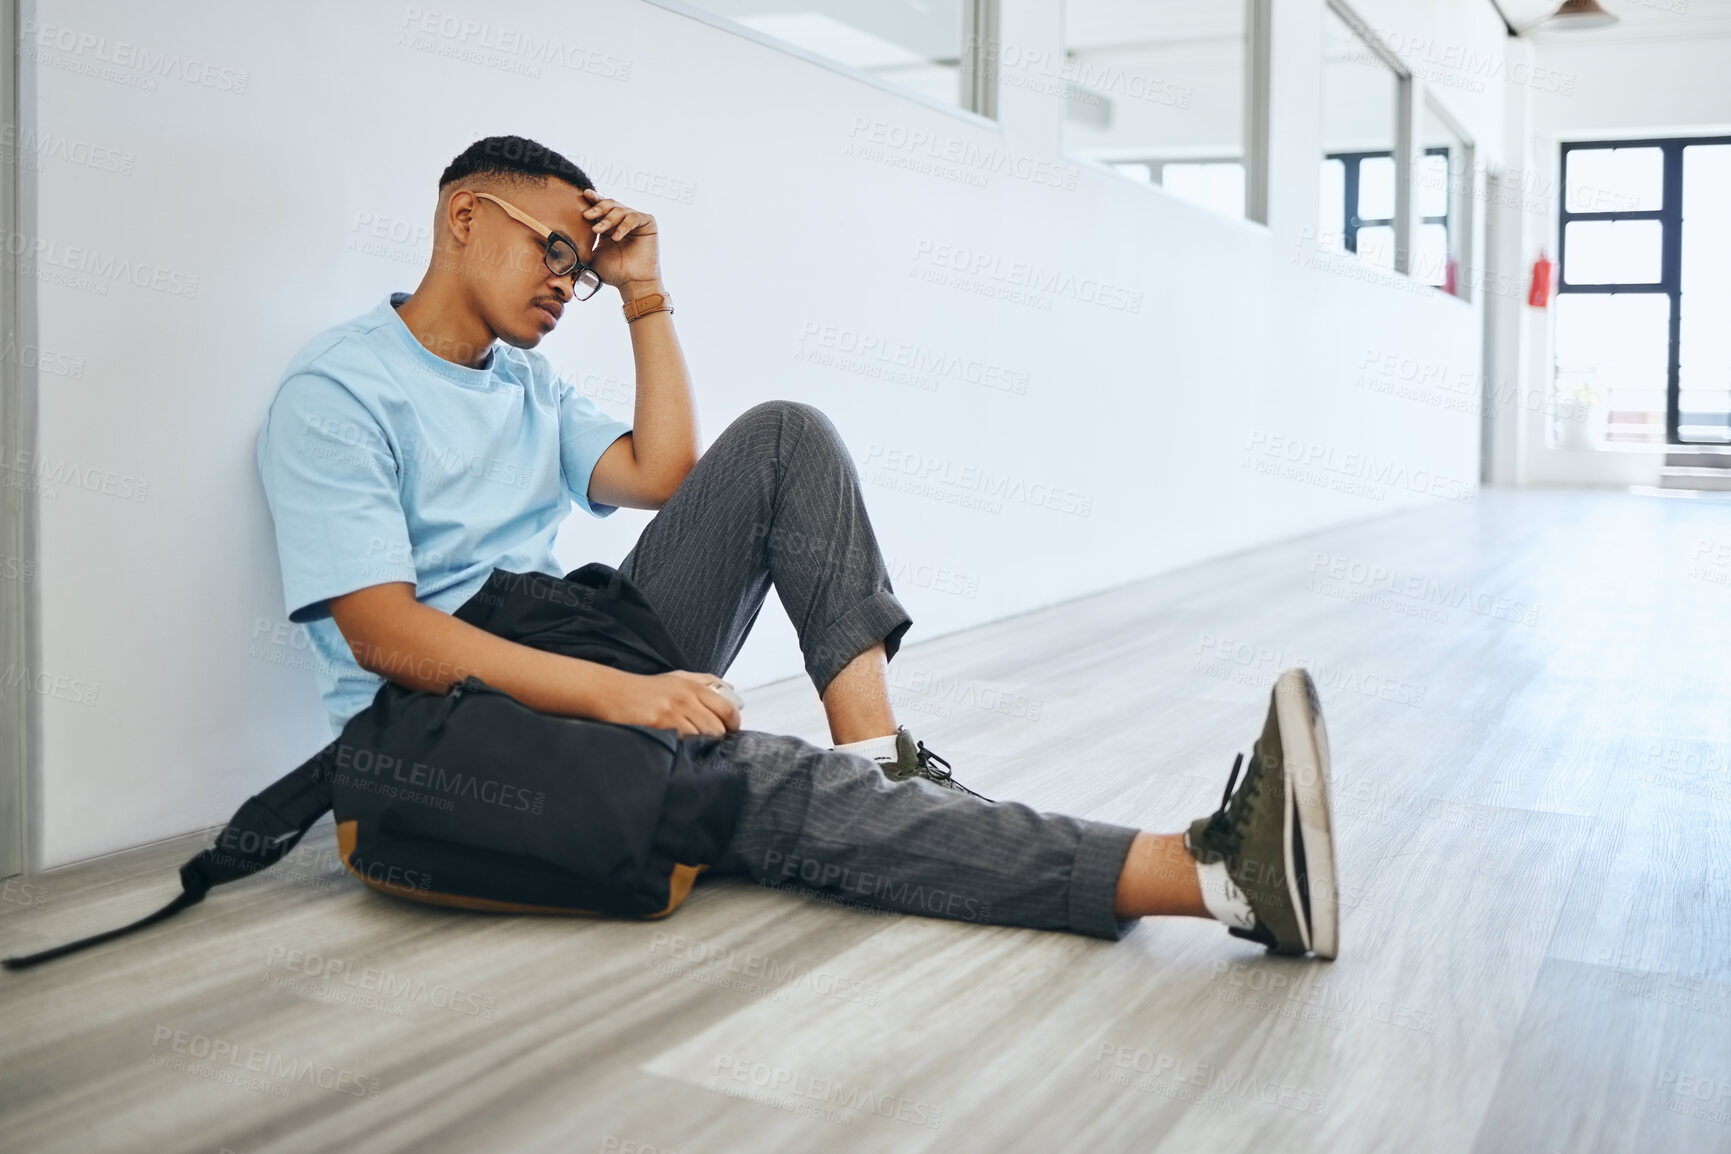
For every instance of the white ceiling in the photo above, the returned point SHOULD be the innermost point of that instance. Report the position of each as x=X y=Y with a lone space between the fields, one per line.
x=1637 y=20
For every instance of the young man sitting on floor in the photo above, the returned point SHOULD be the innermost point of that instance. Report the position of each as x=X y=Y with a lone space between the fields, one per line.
x=412 y=450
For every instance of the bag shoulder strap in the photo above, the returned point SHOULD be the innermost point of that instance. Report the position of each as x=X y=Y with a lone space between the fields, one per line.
x=261 y=832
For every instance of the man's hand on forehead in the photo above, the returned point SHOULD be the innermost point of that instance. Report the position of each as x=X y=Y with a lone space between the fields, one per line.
x=608 y=214
x=625 y=245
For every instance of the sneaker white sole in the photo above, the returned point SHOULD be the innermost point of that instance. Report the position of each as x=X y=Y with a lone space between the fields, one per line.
x=1304 y=742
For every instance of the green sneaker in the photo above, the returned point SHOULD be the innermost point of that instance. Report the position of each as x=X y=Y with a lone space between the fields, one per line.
x=1275 y=834
x=913 y=759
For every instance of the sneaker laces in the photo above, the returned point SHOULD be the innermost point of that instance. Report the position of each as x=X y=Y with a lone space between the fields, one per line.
x=1237 y=763
x=1220 y=823
x=941 y=776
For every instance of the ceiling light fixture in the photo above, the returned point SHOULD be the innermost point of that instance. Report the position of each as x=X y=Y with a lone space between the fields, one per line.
x=1571 y=15
x=1577 y=14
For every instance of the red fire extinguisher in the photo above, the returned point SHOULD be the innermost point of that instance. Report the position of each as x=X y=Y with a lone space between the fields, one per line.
x=1540 y=294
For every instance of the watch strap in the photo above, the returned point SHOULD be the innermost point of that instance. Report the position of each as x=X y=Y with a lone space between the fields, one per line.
x=650 y=303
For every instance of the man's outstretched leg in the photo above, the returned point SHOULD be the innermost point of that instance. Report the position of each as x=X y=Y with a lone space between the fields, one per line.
x=1263 y=863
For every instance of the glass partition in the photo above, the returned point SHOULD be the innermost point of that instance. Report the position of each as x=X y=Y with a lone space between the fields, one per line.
x=1360 y=115
x=920 y=46
x=1443 y=194
x=1160 y=90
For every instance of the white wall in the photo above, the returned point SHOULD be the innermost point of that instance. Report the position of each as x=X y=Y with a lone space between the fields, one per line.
x=774 y=229
x=1657 y=87
x=1667 y=86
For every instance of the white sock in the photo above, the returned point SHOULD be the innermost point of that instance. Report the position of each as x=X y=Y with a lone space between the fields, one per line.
x=1223 y=898
x=876 y=748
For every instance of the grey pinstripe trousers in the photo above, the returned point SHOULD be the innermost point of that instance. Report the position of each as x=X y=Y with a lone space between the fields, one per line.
x=776 y=500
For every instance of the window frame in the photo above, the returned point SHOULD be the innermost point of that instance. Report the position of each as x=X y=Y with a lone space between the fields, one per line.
x=1669 y=214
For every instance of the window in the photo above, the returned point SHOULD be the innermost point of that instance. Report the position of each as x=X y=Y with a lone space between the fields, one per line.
x=1365 y=181
x=1162 y=91
x=1358 y=205
x=1216 y=185
x=923 y=45
x=1645 y=237
x=1361 y=98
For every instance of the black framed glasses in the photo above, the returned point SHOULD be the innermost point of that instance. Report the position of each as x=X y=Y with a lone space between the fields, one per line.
x=560 y=255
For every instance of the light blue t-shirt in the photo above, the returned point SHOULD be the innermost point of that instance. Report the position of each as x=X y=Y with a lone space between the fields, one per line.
x=382 y=462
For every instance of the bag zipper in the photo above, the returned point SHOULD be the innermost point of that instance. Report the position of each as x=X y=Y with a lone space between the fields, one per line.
x=458 y=688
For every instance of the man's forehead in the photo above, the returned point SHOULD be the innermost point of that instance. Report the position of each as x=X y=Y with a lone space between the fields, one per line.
x=555 y=203
x=559 y=206
x=552 y=197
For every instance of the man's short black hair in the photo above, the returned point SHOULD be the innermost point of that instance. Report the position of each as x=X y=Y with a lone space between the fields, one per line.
x=514 y=160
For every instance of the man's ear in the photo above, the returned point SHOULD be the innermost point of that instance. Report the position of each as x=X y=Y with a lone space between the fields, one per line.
x=458 y=218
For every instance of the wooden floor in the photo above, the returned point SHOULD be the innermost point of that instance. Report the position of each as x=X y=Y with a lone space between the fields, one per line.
x=1533 y=781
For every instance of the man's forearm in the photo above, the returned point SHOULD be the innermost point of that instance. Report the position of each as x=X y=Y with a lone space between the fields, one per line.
x=425 y=648
x=664 y=418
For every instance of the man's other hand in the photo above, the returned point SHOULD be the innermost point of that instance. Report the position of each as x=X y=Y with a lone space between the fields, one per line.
x=679 y=700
